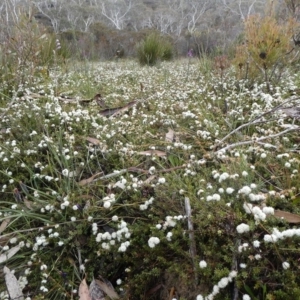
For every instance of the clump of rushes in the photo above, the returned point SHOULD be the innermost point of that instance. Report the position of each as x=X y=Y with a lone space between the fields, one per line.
x=28 y=52
x=154 y=48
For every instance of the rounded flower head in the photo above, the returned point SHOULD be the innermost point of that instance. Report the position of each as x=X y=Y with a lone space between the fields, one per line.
x=203 y=264
x=242 y=228
x=153 y=241
x=285 y=265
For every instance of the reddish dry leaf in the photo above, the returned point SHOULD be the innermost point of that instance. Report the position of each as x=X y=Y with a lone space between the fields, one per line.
x=4 y=224
x=289 y=217
x=153 y=152
x=89 y=180
x=93 y=141
x=170 y=136
x=84 y=293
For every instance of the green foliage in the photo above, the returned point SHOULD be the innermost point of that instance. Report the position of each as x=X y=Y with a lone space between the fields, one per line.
x=96 y=192
x=29 y=51
x=154 y=48
x=266 y=50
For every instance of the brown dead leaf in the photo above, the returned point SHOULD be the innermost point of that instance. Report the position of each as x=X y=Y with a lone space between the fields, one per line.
x=4 y=224
x=113 y=112
x=98 y=98
x=124 y=108
x=170 y=135
x=89 y=180
x=28 y=203
x=152 y=152
x=107 y=289
x=289 y=217
x=93 y=141
x=84 y=293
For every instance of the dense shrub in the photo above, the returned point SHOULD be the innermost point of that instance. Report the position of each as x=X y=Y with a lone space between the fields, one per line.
x=266 y=51
x=154 y=48
x=29 y=50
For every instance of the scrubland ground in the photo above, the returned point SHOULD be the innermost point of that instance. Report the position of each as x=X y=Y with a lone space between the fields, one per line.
x=176 y=183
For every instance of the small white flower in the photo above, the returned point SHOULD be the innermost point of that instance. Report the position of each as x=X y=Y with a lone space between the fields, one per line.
x=246 y=190
x=65 y=172
x=107 y=204
x=285 y=265
x=119 y=281
x=257 y=256
x=244 y=173
x=229 y=190
x=246 y=297
x=115 y=218
x=161 y=180
x=169 y=236
x=13 y=240
x=256 y=244
x=223 y=282
x=151 y=170
x=232 y=274
x=243 y=266
x=242 y=228
x=202 y=264
x=153 y=241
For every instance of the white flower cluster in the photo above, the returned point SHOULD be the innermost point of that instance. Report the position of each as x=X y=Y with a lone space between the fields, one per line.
x=66 y=203
x=95 y=228
x=109 y=200
x=153 y=241
x=202 y=264
x=146 y=204
x=242 y=228
x=243 y=247
x=214 y=197
x=171 y=221
x=277 y=235
x=109 y=239
x=258 y=213
x=221 y=285
x=40 y=241
x=188 y=114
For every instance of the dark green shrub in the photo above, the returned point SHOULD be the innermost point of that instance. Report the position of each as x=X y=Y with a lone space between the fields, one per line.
x=152 y=49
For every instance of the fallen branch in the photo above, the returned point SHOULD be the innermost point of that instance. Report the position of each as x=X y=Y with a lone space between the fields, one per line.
x=292 y=128
x=256 y=120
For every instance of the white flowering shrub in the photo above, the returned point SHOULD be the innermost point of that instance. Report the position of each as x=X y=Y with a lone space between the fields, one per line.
x=84 y=194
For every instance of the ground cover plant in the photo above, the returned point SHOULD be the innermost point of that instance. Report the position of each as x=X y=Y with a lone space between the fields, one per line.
x=166 y=181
